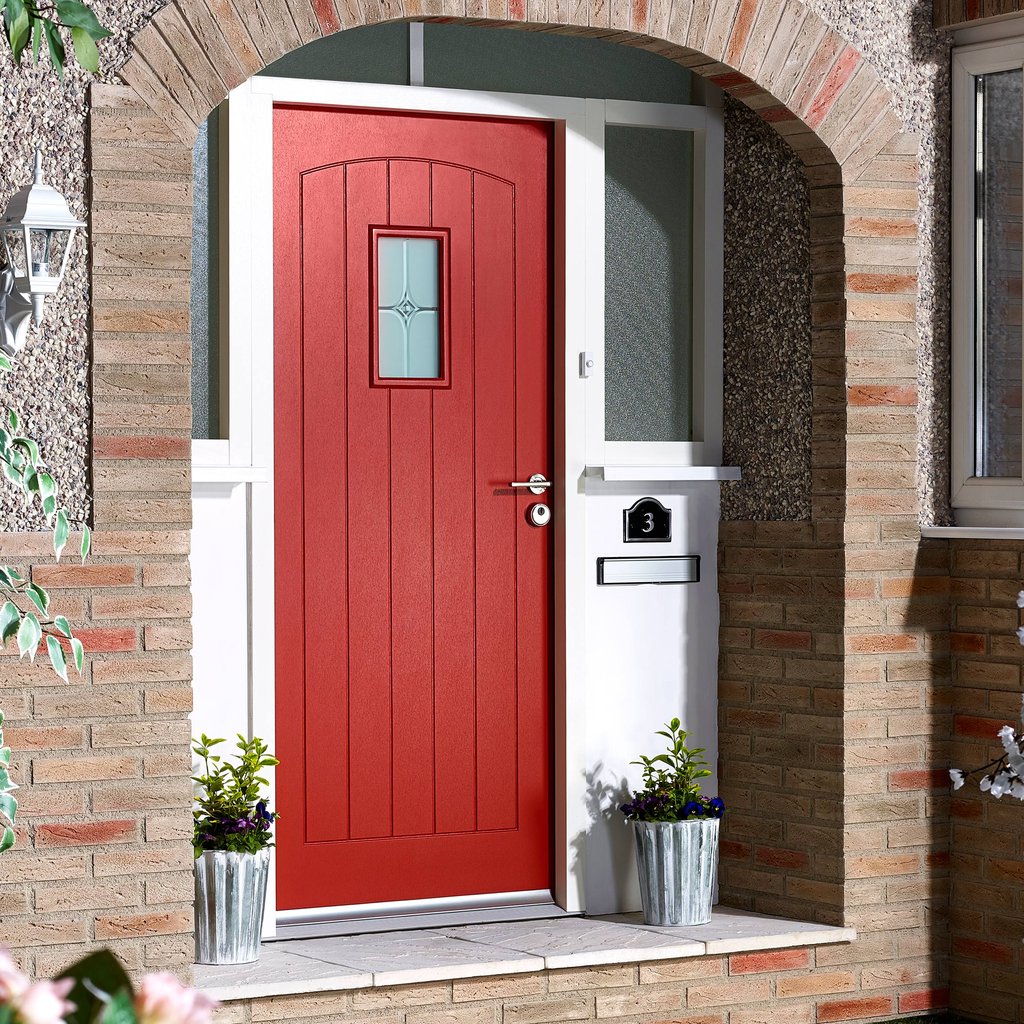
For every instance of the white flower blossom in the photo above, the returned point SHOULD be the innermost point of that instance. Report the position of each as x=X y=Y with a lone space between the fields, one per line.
x=986 y=784
x=1001 y=784
x=1017 y=789
x=1020 y=598
x=958 y=777
x=1009 y=738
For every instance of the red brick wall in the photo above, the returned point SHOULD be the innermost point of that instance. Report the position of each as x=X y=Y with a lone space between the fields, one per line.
x=987 y=838
x=950 y=13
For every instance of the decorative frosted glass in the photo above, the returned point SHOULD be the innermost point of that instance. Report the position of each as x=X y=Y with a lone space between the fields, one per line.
x=408 y=307
x=648 y=284
x=998 y=376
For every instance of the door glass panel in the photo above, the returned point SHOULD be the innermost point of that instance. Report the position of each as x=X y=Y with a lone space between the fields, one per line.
x=998 y=275
x=648 y=291
x=408 y=307
x=204 y=296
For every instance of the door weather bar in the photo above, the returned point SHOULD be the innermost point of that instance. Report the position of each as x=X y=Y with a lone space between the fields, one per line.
x=319 y=915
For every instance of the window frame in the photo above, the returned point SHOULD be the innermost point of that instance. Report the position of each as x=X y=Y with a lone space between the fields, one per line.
x=976 y=501
x=442 y=237
x=703 y=118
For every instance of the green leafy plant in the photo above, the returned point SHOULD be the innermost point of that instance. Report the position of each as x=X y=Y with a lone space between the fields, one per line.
x=96 y=990
x=29 y=23
x=672 y=783
x=25 y=605
x=8 y=805
x=230 y=812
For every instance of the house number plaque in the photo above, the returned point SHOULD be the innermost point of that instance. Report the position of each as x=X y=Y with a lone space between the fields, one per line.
x=648 y=520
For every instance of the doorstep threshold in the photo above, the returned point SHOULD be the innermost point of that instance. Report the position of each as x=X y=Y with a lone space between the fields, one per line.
x=384 y=959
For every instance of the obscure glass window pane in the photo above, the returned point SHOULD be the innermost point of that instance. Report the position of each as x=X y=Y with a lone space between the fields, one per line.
x=998 y=275
x=408 y=307
x=648 y=284
x=548 y=64
x=371 y=53
x=204 y=306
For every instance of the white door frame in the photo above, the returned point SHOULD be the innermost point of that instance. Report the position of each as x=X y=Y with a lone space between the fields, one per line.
x=579 y=392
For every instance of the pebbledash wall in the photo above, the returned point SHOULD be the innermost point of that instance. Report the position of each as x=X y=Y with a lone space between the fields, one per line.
x=835 y=694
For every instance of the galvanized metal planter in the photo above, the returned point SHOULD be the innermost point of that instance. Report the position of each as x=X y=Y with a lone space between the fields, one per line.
x=231 y=889
x=677 y=862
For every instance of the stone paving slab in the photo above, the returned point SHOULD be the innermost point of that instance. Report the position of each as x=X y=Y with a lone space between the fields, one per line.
x=513 y=947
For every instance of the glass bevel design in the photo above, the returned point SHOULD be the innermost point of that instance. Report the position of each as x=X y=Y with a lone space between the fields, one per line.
x=999 y=159
x=408 y=307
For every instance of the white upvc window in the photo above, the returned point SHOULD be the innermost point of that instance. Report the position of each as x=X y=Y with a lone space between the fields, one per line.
x=988 y=267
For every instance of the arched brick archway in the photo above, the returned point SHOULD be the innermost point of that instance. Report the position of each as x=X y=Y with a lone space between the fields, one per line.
x=811 y=640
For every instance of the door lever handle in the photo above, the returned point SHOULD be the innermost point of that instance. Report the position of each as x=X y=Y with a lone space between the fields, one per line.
x=537 y=483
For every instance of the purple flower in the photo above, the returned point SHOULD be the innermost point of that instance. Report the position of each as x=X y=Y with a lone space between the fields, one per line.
x=693 y=807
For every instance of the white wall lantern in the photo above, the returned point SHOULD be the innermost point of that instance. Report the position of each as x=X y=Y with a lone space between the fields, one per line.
x=37 y=229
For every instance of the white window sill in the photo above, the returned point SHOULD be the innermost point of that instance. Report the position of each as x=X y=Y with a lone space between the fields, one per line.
x=974 y=532
x=657 y=473
x=346 y=962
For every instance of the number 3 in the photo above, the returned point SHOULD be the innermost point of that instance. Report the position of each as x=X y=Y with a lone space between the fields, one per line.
x=648 y=526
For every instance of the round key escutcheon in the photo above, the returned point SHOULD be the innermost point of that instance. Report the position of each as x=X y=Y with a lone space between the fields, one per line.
x=539 y=514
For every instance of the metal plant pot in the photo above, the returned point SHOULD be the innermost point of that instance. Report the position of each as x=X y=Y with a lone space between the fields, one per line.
x=230 y=892
x=677 y=862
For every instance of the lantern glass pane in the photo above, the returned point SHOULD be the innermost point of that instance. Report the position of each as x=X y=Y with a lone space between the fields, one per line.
x=48 y=248
x=14 y=247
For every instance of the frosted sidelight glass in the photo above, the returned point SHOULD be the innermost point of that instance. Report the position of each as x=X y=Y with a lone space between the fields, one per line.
x=648 y=284
x=204 y=297
x=408 y=307
x=998 y=275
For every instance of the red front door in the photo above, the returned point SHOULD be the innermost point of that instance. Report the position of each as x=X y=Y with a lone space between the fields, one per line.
x=412 y=296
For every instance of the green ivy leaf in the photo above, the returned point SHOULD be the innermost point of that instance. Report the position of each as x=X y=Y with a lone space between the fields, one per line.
x=78 y=653
x=10 y=620
x=86 y=542
x=87 y=55
x=8 y=806
x=18 y=26
x=56 y=653
x=12 y=417
x=55 y=46
x=37 y=39
x=61 y=624
x=77 y=15
x=30 y=449
x=61 y=532
x=6 y=840
x=39 y=597
x=5 y=780
x=30 y=633
x=5 y=360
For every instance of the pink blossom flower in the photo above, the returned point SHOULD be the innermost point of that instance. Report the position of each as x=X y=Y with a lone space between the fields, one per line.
x=13 y=982
x=44 y=1002
x=162 y=999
